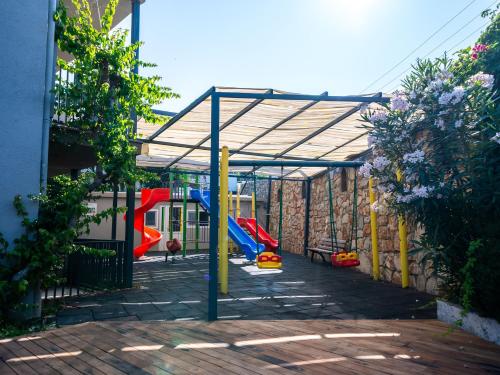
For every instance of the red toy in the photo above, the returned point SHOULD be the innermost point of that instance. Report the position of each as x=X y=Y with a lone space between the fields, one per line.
x=149 y=236
x=264 y=237
x=345 y=259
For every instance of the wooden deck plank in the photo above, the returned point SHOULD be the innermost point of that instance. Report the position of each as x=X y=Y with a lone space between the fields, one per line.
x=84 y=362
x=227 y=357
x=16 y=367
x=75 y=337
x=104 y=349
x=18 y=352
x=187 y=363
x=113 y=343
x=43 y=355
x=300 y=351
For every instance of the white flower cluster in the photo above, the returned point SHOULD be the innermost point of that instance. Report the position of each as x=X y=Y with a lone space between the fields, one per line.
x=496 y=138
x=366 y=169
x=453 y=97
x=380 y=162
x=414 y=157
x=378 y=116
x=439 y=123
x=372 y=140
x=482 y=79
x=399 y=103
x=422 y=191
x=416 y=192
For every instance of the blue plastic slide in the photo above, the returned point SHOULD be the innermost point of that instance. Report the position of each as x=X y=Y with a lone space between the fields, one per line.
x=236 y=233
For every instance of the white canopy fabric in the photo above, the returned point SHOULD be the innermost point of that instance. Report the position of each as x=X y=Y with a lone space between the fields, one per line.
x=258 y=129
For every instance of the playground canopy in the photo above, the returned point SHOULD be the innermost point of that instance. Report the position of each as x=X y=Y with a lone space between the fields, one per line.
x=258 y=125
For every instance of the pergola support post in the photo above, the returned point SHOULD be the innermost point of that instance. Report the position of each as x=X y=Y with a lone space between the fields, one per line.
x=307 y=215
x=403 y=244
x=374 y=236
x=214 y=209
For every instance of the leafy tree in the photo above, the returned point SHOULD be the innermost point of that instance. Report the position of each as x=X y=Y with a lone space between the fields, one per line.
x=99 y=108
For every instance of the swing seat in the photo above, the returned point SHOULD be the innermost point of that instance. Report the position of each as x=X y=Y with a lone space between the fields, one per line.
x=345 y=259
x=268 y=260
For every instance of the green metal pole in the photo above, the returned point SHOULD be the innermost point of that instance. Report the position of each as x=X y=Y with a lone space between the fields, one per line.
x=171 y=207
x=256 y=210
x=184 y=214
x=354 y=229
x=280 y=222
x=333 y=231
x=197 y=215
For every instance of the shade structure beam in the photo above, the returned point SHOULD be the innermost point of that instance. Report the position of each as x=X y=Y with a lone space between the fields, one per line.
x=280 y=123
x=293 y=163
x=181 y=114
x=317 y=132
x=377 y=98
x=207 y=148
x=329 y=152
x=238 y=115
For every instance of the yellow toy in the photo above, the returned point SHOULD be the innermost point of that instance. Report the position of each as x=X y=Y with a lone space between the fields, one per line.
x=268 y=260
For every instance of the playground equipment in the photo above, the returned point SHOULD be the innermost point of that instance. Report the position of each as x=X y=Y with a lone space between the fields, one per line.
x=264 y=237
x=149 y=236
x=268 y=260
x=241 y=238
x=349 y=257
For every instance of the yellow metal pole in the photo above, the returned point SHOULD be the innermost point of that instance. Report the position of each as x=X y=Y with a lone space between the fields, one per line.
x=224 y=169
x=253 y=205
x=238 y=210
x=403 y=244
x=231 y=211
x=373 y=226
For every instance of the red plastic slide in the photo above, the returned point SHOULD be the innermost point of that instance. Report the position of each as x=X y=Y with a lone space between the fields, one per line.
x=149 y=236
x=264 y=237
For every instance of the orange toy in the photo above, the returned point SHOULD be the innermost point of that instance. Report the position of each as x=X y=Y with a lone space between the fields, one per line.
x=268 y=260
x=345 y=259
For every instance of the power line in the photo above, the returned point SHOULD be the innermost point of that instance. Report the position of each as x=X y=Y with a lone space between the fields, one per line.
x=439 y=45
x=419 y=46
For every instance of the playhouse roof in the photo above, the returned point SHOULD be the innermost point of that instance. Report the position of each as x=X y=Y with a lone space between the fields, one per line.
x=280 y=126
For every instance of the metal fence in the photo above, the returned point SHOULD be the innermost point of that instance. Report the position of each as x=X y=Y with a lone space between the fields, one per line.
x=83 y=272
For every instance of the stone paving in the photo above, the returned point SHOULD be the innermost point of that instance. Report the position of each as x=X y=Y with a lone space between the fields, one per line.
x=178 y=290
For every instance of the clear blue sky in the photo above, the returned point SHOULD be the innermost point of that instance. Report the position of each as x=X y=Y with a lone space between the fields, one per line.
x=305 y=46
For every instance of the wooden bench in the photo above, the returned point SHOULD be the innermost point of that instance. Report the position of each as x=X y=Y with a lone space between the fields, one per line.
x=325 y=247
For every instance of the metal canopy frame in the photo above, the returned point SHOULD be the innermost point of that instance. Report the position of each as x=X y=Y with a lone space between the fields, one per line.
x=214 y=149
x=269 y=94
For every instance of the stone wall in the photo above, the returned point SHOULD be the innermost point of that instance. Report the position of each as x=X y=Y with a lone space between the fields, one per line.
x=293 y=215
x=319 y=227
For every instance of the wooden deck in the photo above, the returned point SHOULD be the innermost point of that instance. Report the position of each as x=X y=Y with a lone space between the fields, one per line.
x=251 y=347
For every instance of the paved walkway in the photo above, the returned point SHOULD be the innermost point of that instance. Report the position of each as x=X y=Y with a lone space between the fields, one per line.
x=301 y=290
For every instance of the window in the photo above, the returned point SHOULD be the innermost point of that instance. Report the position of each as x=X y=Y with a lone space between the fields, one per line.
x=343 y=180
x=191 y=218
x=176 y=219
x=151 y=218
x=204 y=219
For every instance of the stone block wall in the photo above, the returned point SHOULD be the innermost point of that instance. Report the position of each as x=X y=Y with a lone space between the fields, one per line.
x=421 y=276
x=293 y=215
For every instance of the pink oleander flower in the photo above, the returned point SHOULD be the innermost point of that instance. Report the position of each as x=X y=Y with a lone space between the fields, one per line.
x=477 y=49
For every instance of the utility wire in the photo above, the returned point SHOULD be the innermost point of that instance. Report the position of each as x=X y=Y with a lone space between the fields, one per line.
x=419 y=46
x=439 y=45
